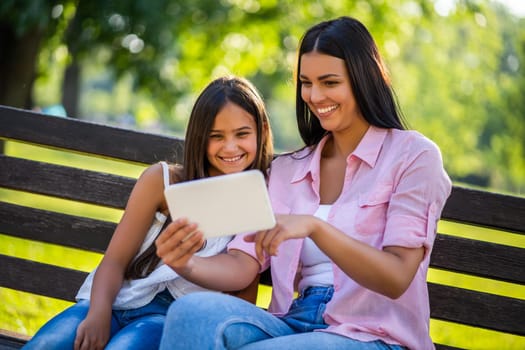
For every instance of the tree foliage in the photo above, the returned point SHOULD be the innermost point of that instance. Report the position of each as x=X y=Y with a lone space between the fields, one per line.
x=458 y=71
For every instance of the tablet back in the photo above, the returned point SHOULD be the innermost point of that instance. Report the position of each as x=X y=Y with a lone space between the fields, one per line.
x=223 y=205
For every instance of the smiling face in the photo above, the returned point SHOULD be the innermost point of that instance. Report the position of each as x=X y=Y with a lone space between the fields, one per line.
x=232 y=141
x=326 y=89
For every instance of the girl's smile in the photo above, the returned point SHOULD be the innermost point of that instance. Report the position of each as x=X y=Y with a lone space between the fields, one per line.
x=232 y=143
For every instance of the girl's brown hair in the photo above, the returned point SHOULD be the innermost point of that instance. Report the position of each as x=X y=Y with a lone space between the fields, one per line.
x=214 y=97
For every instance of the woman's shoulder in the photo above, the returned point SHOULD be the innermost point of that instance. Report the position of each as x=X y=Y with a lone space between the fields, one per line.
x=414 y=141
x=293 y=156
x=416 y=150
x=288 y=165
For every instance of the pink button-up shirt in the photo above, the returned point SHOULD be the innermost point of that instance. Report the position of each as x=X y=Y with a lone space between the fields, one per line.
x=394 y=190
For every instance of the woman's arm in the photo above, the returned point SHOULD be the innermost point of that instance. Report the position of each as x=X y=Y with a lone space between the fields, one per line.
x=414 y=208
x=229 y=271
x=388 y=271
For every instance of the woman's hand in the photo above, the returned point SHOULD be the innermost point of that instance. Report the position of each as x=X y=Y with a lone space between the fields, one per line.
x=92 y=333
x=177 y=244
x=287 y=227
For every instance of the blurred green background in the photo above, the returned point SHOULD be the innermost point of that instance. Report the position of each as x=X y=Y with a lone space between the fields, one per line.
x=457 y=66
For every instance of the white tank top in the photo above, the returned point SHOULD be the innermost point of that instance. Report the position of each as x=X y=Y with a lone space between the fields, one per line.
x=316 y=266
x=139 y=292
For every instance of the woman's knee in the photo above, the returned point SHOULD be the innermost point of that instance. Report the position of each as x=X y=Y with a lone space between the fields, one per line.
x=188 y=306
x=200 y=301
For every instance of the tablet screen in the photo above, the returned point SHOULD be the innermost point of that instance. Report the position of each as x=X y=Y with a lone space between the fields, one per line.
x=223 y=205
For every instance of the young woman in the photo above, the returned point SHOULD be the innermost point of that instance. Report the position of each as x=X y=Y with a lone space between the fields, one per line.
x=122 y=304
x=357 y=213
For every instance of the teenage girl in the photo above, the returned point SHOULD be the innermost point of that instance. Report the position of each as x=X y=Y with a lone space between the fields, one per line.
x=122 y=304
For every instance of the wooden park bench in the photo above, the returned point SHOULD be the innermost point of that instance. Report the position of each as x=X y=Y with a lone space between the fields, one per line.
x=483 y=255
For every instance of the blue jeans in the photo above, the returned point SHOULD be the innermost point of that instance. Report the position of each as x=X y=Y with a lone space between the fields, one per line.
x=209 y=320
x=139 y=328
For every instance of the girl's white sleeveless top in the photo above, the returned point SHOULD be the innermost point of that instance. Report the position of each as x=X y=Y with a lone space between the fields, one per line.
x=139 y=292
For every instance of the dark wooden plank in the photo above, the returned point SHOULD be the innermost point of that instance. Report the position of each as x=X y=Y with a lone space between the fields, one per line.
x=486 y=209
x=477 y=309
x=38 y=278
x=88 y=137
x=266 y=277
x=51 y=227
x=473 y=257
x=447 y=347
x=65 y=182
x=479 y=258
x=469 y=307
x=8 y=342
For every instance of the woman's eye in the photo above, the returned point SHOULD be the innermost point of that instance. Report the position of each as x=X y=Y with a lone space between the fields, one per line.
x=306 y=83
x=331 y=83
x=215 y=136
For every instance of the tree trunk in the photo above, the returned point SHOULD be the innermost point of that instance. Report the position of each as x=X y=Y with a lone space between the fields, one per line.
x=18 y=57
x=70 y=89
x=17 y=65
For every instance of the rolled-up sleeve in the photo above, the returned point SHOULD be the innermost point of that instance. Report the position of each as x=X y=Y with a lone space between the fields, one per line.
x=249 y=248
x=417 y=201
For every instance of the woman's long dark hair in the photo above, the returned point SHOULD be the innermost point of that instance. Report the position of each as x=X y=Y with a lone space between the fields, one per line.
x=209 y=103
x=348 y=39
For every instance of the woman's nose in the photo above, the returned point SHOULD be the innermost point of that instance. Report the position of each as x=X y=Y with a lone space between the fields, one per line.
x=316 y=94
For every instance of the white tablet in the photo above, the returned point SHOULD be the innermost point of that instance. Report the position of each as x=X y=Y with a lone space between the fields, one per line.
x=223 y=205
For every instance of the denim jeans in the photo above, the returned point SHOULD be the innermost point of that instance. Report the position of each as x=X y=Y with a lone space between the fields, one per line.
x=208 y=320
x=139 y=328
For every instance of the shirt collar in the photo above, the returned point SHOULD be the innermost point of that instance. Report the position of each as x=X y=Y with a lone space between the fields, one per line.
x=311 y=161
x=367 y=150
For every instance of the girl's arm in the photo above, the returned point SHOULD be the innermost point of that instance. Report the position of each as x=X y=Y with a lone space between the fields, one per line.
x=145 y=199
x=229 y=271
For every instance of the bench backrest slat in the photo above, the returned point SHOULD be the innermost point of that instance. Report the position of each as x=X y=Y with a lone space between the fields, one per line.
x=486 y=209
x=56 y=228
x=479 y=258
x=88 y=137
x=449 y=303
x=65 y=182
x=47 y=280
x=477 y=309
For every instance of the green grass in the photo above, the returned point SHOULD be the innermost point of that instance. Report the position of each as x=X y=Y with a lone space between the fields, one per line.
x=25 y=313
